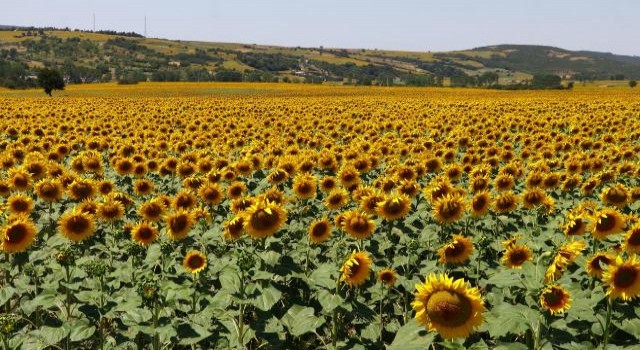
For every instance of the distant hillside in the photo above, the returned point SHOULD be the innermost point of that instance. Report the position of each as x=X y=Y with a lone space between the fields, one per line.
x=129 y=57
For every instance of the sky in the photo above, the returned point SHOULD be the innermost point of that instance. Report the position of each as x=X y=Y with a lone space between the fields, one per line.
x=416 y=25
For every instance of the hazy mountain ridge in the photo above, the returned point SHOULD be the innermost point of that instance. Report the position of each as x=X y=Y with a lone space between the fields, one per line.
x=108 y=56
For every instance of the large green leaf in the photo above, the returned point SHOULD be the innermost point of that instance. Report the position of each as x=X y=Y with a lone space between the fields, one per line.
x=266 y=298
x=412 y=336
x=300 y=320
x=79 y=329
x=329 y=300
x=511 y=319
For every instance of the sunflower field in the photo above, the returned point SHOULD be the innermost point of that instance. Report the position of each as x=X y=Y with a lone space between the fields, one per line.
x=212 y=216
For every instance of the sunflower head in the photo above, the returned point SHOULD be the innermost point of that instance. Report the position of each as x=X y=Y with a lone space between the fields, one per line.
x=194 y=262
x=320 y=231
x=616 y=195
x=457 y=251
x=451 y=308
x=516 y=255
x=575 y=225
x=394 y=207
x=305 y=185
x=110 y=210
x=49 y=190
x=358 y=224
x=356 y=270
x=179 y=224
x=152 y=210
x=144 y=233
x=555 y=299
x=76 y=225
x=598 y=263
x=387 y=277
x=336 y=199
x=263 y=219
x=18 y=235
x=233 y=229
x=607 y=222
x=20 y=204
x=632 y=239
x=505 y=202
x=623 y=278
x=448 y=209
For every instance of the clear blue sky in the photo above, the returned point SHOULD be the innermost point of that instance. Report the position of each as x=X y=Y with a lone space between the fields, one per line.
x=600 y=25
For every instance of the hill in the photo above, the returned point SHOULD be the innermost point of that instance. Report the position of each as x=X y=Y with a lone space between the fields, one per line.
x=129 y=57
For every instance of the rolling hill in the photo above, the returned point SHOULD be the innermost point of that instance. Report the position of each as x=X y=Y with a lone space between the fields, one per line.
x=129 y=57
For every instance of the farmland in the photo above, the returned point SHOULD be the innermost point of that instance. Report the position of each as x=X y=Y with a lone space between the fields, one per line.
x=290 y=216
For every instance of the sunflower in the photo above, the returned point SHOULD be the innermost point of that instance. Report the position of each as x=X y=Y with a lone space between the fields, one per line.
x=236 y=190
x=105 y=187
x=457 y=251
x=369 y=203
x=598 y=263
x=533 y=198
x=623 y=278
x=632 y=239
x=504 y=182
x=194 y=262
x=607 y=222
x=179 y=224
x=76 y=225
x=81 y=189
x=18 y=235
x=184 y=200
x=555 y=299
x=328 y=183
x=305 y=185
x=356 y=270
x=20 y=204
x=616 y=195
x=277 y=176
x=565 y=256
x=515 y=256
x=143 y=187
x=451 y=308
x=49 y=190
x=144 y=233
x=263 y=219
x=110 y=210
x=233 y=229
x=210 y=193
x=358 y=224
x=505 y=202
x=336 y=199
x=152 y=210
x=349 y=176
x=448 y=209
x=394 y=207
x=576 y=225
x=480 y=204
x=19 y=179
x=320 y=231
x=388 y=277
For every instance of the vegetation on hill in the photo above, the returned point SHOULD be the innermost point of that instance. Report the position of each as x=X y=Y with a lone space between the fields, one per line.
x=104 y=56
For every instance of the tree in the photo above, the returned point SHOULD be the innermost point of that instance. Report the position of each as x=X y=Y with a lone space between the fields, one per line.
x=633 y=83
x=546 y=81
x=50 y=79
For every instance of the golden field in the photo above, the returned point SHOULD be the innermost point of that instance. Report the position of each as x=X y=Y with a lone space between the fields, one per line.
x=271 y=216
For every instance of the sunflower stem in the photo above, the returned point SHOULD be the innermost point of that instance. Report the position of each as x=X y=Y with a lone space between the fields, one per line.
x=5 y=342
x=382 y=295
x=156 y=337
x=7 y=279
x=607 y=325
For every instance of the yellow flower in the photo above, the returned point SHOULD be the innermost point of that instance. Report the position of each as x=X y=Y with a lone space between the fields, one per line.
x=356 y=270
x=394 y=207
x=18 y=235
x=451 y=308
x=263 y=219
x=555 y=299
x=194 y=262
x=320 y=231
x=388 y=277
x=623 y=278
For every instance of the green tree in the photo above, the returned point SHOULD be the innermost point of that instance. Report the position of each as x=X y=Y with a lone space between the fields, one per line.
x=546 y=81
x=50 y=79
x=633 y=83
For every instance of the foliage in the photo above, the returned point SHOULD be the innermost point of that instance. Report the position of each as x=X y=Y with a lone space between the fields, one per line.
x=50 y=79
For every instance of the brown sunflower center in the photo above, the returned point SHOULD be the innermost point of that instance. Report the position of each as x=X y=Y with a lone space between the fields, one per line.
x=616 y=196
x=553 y=297
x=449 y=308
x=606 y=223
x=386 y=276
x=145 y=233
x=625 y=276
x=455 y=249
x=599 y=261
x=479 y=203
x=82 y=190
x=393 y=207
x=235 y=191
x=261 y=220
x=305 y=188
x=20 y=181
x=211 y=194
x=20 y=205
x=110 y=211
x=48 y=190
x=179 y=223
x=359 y=224
x=634 y=238
x=518 y=257
x=354 y=268
x=78 y=224
x=449 y=210
x=195 y=262
x=319 y=229
x=16 y=233
x=335 y=199
x=577 y=226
